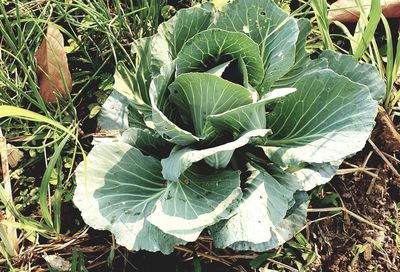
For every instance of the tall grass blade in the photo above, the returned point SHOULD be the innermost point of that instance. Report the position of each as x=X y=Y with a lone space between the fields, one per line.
x=320 y=8
x=389 y=63
x=45 y=183
x=395 y=72
x=371 y=25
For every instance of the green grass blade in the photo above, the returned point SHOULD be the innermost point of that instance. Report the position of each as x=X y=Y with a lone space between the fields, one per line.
x=29 y=223
x=368 y=35
x=74 y=261
x=57 y=197
x=396 y=67
x=196 y=264
x=390 y=61
x=320 y=8
x=45 y=183
x=12 y=111
x=21 y=226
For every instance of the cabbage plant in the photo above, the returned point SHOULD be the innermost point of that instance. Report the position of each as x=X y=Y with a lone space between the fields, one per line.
x=225 y=122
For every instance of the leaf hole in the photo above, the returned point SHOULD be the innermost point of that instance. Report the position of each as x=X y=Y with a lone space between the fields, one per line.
x=263 y=13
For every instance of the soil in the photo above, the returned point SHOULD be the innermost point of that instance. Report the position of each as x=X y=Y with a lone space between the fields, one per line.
x=385 y=133
x=339 y=238
x=375 y=201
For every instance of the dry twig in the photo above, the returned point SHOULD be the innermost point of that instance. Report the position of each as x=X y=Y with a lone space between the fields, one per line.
x=343 y=209
x=383 y=157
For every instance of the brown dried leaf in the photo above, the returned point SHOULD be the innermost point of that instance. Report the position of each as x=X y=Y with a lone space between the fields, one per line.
x=57 y=262
x=14 y=156
x=346 y=11
x=52 y=66
x=368 y=252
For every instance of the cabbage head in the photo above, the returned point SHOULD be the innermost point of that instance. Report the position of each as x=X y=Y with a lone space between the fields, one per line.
x=225 y=122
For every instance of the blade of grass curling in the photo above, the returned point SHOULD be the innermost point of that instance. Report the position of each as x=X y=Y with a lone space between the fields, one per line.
x=347 y=35
x=23 y=226
x=12 y=111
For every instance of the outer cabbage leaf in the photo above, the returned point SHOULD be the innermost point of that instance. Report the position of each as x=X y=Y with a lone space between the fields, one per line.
x=217 y=157
x=173 y=34
x=143 y=74
x=116 y=115
x=282 y=232
x=362 y=73
x=127 y=191
x=316 y=174
x=318 y=126
x=264 y=205
x=130 y=97
x=117 y=191
x=270 y=27
x=197 y=201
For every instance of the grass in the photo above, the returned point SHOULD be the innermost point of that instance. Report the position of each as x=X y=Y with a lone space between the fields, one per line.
x=320 y=9
x=99 y=33
x=364 y=44
x=97 y=38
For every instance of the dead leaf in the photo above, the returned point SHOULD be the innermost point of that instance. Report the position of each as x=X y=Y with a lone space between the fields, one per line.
x=57 y=262
x=367 y=252
x=14 y=156
x=52 y=66
x=346 y=11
